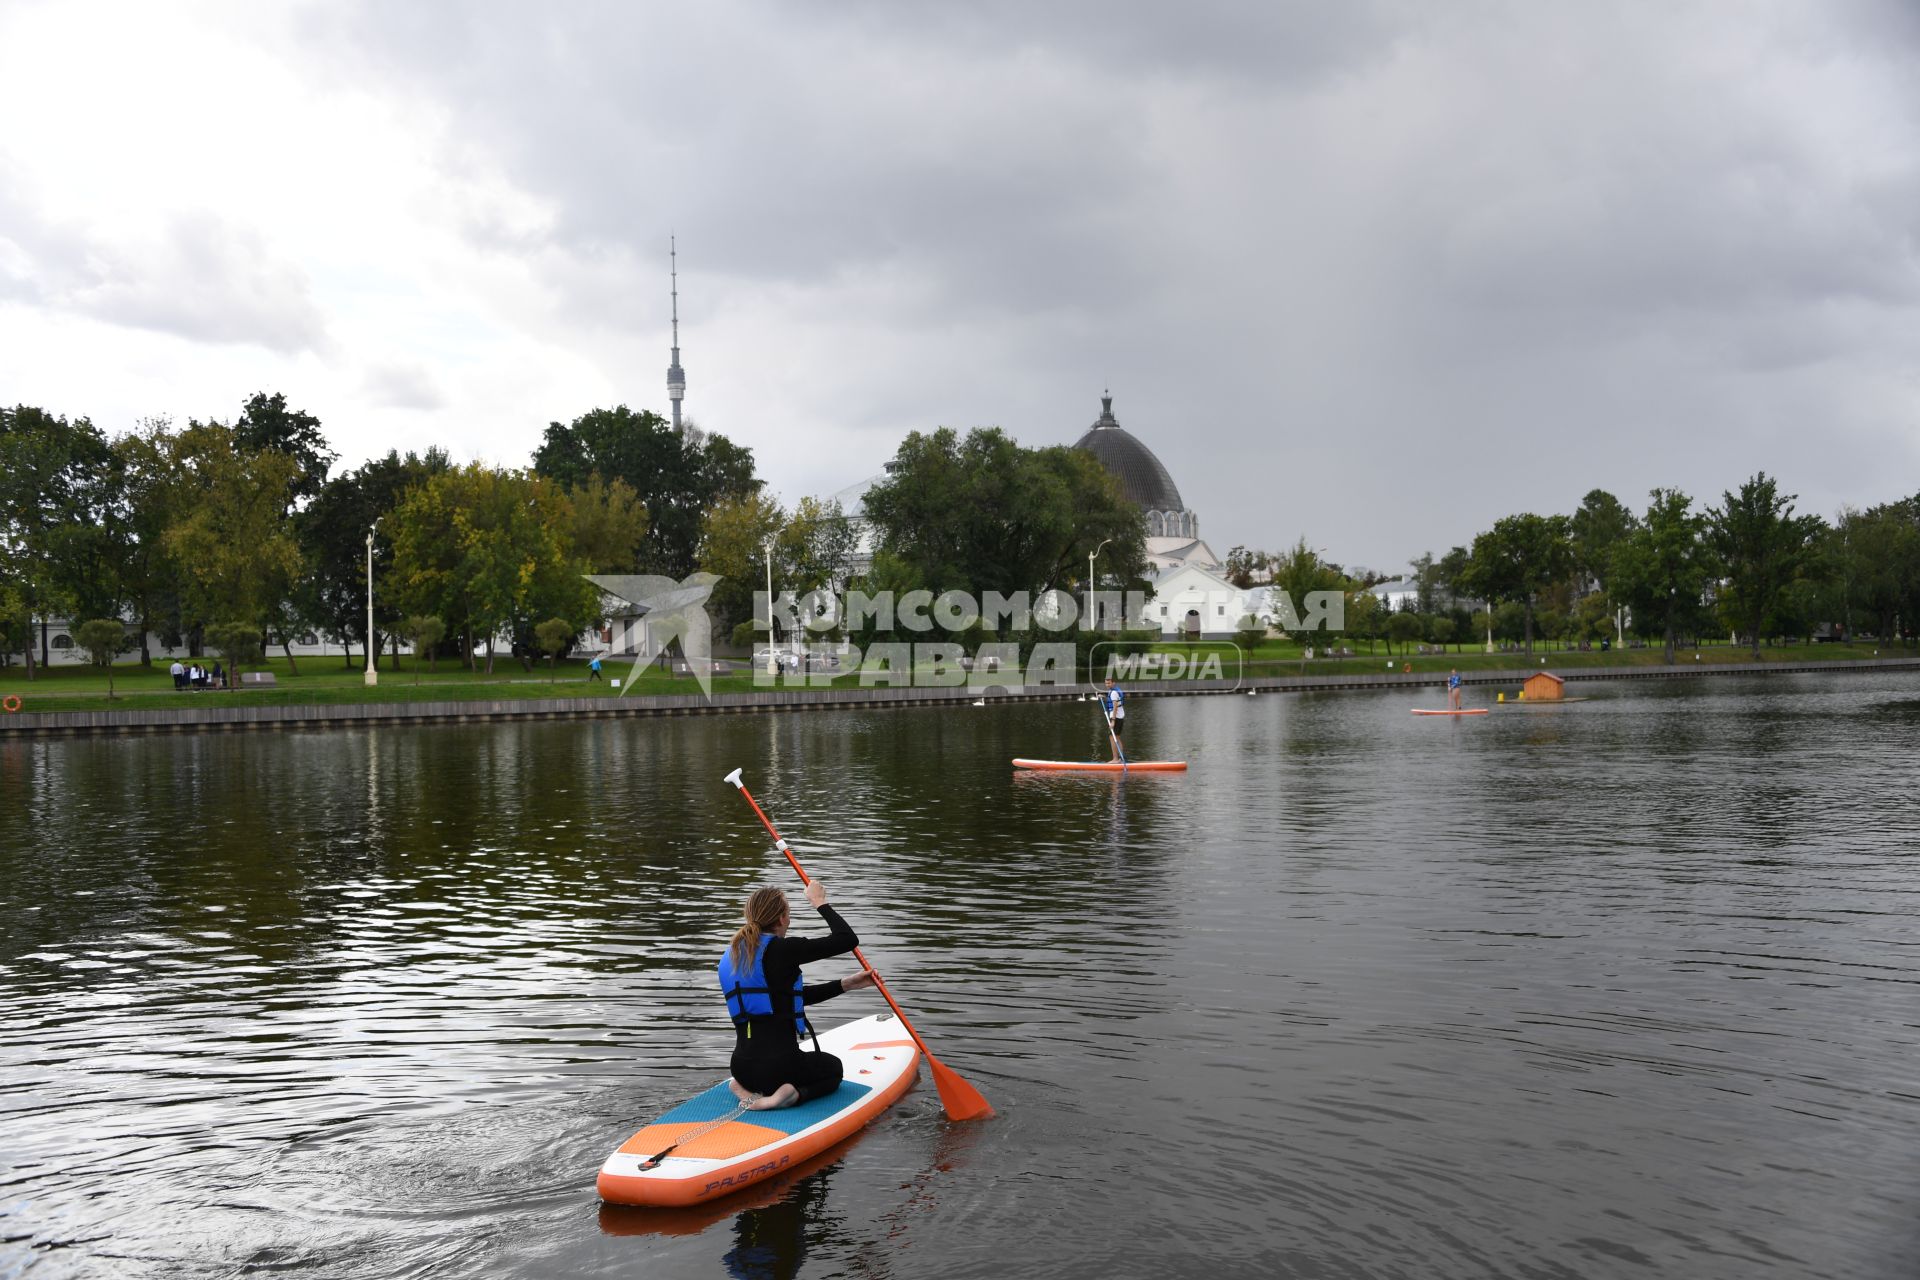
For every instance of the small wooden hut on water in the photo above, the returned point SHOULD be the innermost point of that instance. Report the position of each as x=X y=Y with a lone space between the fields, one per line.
x=1543 y=686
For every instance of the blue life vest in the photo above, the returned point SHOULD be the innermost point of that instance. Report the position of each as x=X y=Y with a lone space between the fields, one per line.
x=747 y=993
x=1114 y=697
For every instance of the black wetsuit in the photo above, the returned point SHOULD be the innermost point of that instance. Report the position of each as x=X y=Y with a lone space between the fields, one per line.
x=767 y=1052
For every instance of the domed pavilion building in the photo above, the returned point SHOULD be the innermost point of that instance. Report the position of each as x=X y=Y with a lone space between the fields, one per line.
x=1190 y=597
x=1173 y=530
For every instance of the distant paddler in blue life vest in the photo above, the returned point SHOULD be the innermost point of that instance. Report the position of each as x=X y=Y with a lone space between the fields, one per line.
x=760 y=976
x=1113 y=702
x=1453 y=689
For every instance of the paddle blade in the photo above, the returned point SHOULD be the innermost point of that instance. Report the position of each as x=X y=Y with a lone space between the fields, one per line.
x=962 y=1100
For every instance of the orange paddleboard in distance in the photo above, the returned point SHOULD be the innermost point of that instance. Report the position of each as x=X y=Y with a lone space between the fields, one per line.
x=1467 y=711
x=1105 y=766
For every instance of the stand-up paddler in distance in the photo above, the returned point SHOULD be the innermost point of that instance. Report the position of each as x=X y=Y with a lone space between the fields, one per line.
x=1112 y=701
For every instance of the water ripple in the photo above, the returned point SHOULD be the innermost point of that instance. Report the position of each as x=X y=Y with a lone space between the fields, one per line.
x=1616 y=988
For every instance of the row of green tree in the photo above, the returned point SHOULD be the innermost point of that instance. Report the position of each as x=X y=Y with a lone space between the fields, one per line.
x=243 y=535
x=1750 y=567
x=221 y=530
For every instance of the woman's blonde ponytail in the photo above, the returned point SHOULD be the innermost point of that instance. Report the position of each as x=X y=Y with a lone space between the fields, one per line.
x=764 y=912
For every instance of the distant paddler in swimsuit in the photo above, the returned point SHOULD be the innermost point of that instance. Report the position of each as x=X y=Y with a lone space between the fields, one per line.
x=1453 y=689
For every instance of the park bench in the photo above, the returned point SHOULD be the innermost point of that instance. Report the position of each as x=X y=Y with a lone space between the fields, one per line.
x=256 y=680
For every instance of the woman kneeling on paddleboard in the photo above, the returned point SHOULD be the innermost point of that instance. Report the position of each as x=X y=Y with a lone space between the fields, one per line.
x=760 y=974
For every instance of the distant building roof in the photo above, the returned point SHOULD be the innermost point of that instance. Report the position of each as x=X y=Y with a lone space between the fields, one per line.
x=853 y=498
x=1164 y=553
x=1142 y=477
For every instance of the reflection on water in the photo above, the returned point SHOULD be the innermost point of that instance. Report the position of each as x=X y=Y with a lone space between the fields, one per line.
x=1623 y=987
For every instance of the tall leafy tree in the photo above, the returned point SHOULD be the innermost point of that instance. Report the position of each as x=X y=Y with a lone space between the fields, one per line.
x=1762 y=546
x=1664 y=565
x=1874 y=565
x=980 y=513
x=825 y=542
x=554 y=581
x=1455 y=570
x=746 y=540
x=1301 y=570
x=266 y=423
x=1597 y=528
x=1366 y=616
x=230 y=533
x=489 y=551
x=1245 y=567
x=52 y=476
x=678 y=477
x=740 y=541
x=144 y=462
x=1425 y=575
x=1519 y=559
x=333 y=531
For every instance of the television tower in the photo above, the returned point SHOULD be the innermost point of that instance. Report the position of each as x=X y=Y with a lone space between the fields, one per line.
x=676 y=376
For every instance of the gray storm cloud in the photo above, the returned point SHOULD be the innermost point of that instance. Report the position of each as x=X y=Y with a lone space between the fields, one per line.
x=1350 y=269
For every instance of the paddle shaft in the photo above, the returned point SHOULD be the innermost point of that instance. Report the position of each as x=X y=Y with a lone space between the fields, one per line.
x=780 y=843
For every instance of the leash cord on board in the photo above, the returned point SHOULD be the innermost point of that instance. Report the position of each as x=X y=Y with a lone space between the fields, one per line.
x=653 y=1161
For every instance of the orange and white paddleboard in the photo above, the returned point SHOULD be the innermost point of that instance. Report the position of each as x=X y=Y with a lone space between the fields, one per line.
x=715 y=1153
x=1464 y=711
x=1105 y=766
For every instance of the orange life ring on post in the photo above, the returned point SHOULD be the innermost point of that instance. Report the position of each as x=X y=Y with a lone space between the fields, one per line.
x=11 y=702
x=1406 y=668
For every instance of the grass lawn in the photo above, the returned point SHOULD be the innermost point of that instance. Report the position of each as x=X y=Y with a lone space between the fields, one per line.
x=325 y=682
x=1276 y=658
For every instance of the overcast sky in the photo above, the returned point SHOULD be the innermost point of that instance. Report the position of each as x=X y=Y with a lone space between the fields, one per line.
x=1377 y=274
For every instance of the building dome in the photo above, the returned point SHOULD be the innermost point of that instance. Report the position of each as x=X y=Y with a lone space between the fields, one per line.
x=1142 y=477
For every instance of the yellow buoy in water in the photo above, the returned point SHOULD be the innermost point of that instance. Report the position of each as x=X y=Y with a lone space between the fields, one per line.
x=1501 y=698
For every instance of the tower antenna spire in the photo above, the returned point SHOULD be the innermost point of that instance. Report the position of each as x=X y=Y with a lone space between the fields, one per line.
x=676 y=376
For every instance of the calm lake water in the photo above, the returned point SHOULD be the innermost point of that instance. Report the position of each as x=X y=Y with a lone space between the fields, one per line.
x=1623 y=988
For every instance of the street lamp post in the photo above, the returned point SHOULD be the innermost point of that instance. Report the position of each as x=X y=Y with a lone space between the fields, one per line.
x=1091 y=620
x=373 y=676
x=772 y=669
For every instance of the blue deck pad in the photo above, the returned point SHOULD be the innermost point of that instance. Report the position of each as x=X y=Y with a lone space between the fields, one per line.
x=719 y=1101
